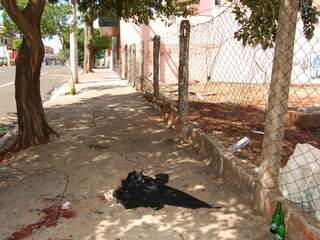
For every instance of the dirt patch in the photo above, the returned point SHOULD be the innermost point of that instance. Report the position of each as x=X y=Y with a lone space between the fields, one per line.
x=233 y=122
x=245 y=93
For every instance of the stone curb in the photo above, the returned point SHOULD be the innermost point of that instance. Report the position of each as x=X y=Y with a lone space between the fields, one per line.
x=7 y=141
x=62 y=90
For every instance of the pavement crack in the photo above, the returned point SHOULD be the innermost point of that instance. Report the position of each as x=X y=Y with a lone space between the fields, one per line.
x=126 y=158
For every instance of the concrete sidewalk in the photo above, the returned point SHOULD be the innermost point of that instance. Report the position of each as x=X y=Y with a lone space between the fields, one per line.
x=108 y=130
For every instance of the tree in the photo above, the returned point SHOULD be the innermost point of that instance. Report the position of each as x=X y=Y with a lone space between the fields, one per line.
x=10 y=27
x=99 y=44
x=90 y=11
x=73 y=45
x=55 y=21
x=258 y=20
x=139 y=11
x=273 y=23
x=33 y=127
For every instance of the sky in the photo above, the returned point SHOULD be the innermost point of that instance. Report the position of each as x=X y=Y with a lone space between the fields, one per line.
x=54 y=42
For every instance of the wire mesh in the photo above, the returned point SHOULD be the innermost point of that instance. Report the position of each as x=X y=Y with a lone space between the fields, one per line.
x=238 y=91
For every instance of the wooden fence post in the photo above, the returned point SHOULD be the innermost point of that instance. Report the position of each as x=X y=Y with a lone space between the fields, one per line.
x=142 y=67
x=130 y=64
x=126 y=62
x=184 y=69
x=156 y=55
x=134 y=68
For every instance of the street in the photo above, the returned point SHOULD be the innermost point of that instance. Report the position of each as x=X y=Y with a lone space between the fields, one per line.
x=50 y=77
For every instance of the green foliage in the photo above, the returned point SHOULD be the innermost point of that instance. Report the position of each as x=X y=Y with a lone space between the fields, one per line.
x=4 y=129
x=140 y=11
x=54 y=21
x=99 y=43
x=10 y=27
x=17 y=44
x=258 y=21
x=72 y=89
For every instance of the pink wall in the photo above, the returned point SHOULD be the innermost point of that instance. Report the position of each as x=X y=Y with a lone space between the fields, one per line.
x=169 y=52
x=205 y=7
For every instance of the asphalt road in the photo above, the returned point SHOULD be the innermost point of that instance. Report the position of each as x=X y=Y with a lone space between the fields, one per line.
x=51 y=76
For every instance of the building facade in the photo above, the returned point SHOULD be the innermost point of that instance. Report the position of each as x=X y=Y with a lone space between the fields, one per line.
x=224 y=55
x=7 y=48
x=49 y=57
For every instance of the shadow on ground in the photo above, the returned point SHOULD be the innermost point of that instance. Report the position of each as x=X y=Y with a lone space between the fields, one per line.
x=105 y=135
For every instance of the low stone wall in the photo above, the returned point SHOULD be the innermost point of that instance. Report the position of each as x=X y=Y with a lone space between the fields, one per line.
x=305 y=120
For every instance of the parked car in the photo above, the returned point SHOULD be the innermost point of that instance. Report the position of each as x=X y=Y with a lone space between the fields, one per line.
x=3 y=61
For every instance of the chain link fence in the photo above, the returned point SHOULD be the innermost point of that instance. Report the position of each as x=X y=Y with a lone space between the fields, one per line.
x=269 y=99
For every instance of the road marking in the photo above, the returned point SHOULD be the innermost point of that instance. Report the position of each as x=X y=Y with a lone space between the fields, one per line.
x=44 y=73
x=7 y=84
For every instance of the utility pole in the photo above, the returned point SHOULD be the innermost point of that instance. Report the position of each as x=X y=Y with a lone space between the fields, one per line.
x=74 y=44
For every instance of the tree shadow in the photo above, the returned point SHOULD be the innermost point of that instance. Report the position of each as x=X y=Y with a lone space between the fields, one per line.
x=103 y=138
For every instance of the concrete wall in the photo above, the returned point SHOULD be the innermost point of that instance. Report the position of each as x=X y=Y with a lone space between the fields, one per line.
x=215 y=54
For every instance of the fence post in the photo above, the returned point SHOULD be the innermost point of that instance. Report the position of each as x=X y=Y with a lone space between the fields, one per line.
x=278 y=94
x=126 y=61
x=134 y=69
x=142 y=67
x=184 y=69
x=156 y=55
x=130 y=64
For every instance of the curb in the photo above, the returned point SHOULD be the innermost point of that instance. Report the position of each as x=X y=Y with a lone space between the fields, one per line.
x=7 y=141
x=57 y=93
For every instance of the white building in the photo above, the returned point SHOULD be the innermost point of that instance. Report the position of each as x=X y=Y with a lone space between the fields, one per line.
x=6 y=45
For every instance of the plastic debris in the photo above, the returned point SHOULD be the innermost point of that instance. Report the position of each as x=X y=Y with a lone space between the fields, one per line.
x=257 y=132
x=139 y=190
x=3 y=169
x=66 y=206
x=304 y=110
x=238 y=145
x=107 y=196
x=299 y=179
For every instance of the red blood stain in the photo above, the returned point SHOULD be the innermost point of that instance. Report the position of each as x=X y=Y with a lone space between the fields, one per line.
x=50 y=218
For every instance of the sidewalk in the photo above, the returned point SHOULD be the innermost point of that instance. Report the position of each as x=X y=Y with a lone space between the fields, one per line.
x=108 y=130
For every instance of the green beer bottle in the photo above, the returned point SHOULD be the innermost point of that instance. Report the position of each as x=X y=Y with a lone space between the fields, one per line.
x=276 y=218
x=281 y=232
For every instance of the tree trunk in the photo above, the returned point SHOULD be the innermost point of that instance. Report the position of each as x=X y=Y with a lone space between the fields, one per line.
x=33 y=127
x=184 y=70
x=279 y=94
x=93 y=55
x=156 y=55
x=74 y=44
x=88 y=48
